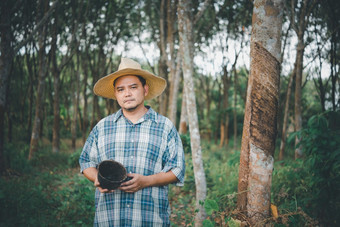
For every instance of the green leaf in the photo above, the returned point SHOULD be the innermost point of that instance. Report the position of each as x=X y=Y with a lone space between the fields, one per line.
x=207 y=223
x=210 y=206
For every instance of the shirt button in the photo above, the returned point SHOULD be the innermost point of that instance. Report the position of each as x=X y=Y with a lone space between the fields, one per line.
x=131 y=157
x=128 y=206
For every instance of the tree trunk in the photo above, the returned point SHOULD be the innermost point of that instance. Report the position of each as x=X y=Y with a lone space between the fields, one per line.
x=298 y=91
x=333 y=67
x=56 y=89
x=300 y=27
x=260 y=121
x=162 y=63
x=235 y=106
x=162 y=99
x=224 y=139
x=30 y=64
x=174 y=86
x=185 y=20
x=56 y=113
x=169 y=56
x=183 y=126
x=285 y=117
x=37 y=123
x=75 y=107
x=85 y=117
x=94 y=107
x=5 y=66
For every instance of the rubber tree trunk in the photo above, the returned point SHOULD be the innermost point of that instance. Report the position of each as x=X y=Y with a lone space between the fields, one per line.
x=37 y=123
x=285 y=117
x=5 y=66
x=234 y=109
x=298 y=93
x=260 y=121
x=162 y=63
x=186 y=42
x=224 y=139
x=299 y=25
x=174 y=87
x=56 y=91
x=183 y=126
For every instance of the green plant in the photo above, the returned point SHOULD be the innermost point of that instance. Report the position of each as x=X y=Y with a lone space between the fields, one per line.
x=321 y=145
x=73 y=159
x=186 y=143
x=310 y=186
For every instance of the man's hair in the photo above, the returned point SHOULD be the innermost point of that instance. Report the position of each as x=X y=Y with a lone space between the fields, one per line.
x=141 y=79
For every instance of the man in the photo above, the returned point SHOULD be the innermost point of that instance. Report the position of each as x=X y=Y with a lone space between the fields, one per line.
x=145 y=142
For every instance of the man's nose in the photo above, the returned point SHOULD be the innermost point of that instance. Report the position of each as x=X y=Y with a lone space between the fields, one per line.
x=127 y=92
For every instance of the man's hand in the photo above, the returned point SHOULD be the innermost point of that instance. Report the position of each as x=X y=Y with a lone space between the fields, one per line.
x=102 y=190
x=136 y=183
x=92 y=174
x=139 y=182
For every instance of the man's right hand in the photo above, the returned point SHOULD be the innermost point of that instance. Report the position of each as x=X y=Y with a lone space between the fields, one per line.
x=91 y=173
x=102 y=190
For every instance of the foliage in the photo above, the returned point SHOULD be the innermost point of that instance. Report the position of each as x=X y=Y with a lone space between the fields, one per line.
x=73 y=159
x=312 y=183
x=321 y=145
x=186 y=143
x=45 y=191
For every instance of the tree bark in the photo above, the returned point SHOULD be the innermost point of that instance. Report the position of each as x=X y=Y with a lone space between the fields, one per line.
x=75 y=106
x=299 y=25
x=185 y=20
x=224 y=139
x=37 y=124
x=169 y=55
x=31 y=66
x=235 y=106
x=85 y=118
x=183 y=126
x=5 y=66
x=162 y=63
x=260 y=121
x=57 y=69
x=298 y=93
x=285 y=117
x=174 y=87
x=56 y=91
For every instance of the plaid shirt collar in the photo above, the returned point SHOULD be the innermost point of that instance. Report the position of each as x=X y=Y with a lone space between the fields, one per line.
x=150 y=115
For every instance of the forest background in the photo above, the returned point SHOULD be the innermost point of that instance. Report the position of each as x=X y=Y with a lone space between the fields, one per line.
x=52 y=53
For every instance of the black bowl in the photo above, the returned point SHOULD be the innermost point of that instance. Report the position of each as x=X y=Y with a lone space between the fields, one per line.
x=111 y=174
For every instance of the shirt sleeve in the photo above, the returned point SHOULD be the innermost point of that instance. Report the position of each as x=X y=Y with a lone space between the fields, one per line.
x=88 y=157
x=175 y=160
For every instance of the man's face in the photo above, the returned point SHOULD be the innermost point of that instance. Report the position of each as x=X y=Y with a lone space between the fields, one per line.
x=130 y=92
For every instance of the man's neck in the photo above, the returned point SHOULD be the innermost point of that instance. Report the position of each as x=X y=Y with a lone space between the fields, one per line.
x=136 y=114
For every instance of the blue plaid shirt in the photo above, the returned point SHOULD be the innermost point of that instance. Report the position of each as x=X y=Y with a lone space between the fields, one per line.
x=150 y=146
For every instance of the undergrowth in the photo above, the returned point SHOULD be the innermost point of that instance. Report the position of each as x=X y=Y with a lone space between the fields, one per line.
x=50 y=191
x=47 y=191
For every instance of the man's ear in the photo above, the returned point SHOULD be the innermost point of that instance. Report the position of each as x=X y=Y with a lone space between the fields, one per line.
x=146 y=89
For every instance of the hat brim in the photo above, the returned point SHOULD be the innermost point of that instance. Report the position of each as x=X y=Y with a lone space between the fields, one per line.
x=104 y=86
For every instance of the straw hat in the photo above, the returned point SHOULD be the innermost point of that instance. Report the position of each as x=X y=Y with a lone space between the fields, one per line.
x=104 y=86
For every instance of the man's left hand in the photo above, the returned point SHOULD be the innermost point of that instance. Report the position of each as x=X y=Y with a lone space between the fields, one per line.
x=136 y=183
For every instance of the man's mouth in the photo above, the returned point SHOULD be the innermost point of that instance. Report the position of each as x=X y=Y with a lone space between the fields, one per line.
x=128 y=100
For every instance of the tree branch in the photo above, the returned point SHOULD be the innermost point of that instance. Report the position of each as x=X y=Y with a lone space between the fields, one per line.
x=37 y=27
x=200 y=13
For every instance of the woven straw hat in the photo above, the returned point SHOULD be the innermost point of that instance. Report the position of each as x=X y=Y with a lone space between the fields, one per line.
x=104 y=86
